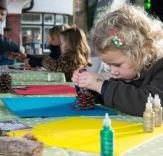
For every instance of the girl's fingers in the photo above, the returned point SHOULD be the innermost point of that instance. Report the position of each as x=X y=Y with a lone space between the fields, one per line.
x=82 y=85
x=74 y=80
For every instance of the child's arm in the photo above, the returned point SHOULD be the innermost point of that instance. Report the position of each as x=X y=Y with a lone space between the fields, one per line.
x=9 y=45
x=62 y=64
x=127 y=97
x=49 y=63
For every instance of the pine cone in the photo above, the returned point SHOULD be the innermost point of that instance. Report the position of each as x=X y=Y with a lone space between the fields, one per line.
x=5 y=83
x=85 y=99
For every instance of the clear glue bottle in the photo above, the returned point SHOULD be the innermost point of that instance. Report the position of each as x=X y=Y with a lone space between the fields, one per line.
x=107 y=138
x=158 y=111
x=151 y=98
x=149 y=117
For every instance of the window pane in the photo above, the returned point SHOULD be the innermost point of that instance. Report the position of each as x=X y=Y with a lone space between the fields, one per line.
x=32 y=39
x=45 y=41
x=31 y=18
x=59 y=19
x=65 y=19
x=48 y=18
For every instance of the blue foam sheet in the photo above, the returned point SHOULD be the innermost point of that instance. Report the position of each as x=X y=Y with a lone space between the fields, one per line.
x=50 y=107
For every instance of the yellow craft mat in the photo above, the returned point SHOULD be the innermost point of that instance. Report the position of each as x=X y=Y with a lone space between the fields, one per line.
x=83 y=133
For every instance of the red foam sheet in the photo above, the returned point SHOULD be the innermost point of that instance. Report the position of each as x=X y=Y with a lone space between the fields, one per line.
x=46 y=90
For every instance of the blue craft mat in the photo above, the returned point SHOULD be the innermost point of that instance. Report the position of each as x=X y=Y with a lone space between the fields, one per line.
x=50 y=107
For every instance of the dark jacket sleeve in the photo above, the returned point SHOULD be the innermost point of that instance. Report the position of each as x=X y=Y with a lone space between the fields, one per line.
x=129 y=98
x=7 y=44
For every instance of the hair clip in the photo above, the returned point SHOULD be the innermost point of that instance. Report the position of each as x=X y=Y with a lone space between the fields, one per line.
x=117 y=42
x=116 y=39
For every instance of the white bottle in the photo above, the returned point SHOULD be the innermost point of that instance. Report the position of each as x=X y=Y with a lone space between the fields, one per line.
x=148 y=117
x=151 y=98
x=158 y=111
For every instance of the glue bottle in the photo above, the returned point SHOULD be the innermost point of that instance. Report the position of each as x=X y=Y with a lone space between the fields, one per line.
x=158 y=111
x=107 y=138
x=149 y=117
x=151 y=98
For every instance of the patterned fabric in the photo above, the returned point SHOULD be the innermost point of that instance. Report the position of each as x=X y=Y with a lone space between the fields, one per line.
x=5 y=83
x=64 y=64
x=36 y=77
x=24 y=83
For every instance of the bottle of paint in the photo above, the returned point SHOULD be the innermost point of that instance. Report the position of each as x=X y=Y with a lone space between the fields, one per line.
x=148 y=117
x=158 y=111
x=107 y=138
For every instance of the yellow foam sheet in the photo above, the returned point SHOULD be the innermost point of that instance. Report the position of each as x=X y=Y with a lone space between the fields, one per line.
x=81 y=133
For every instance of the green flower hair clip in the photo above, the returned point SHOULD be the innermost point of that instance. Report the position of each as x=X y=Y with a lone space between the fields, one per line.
x=117 y=42
x=116 y=39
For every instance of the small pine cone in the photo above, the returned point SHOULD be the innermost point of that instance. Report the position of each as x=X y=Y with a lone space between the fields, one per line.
x=5 y=83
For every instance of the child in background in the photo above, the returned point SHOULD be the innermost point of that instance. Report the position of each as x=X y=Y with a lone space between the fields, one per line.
x=54 y=40
x=75 y=53
x=54 y=46
x=132 y=45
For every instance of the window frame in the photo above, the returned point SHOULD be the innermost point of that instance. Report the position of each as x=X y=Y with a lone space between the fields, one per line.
x=31 y=22
x=42 y=24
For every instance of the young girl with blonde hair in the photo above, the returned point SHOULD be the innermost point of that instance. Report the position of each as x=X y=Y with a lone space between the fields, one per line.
x=75 y=53
x=132 y=45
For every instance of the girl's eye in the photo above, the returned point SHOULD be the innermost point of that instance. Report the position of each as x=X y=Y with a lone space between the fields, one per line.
x=117 y=65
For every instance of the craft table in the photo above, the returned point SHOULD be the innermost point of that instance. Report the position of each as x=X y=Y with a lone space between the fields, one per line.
x=150 y=148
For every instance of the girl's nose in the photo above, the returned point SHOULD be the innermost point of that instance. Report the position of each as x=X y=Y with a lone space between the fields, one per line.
x=114 y=71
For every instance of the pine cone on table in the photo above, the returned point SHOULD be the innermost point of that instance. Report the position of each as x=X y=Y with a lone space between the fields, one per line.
x=85 y=99
x=5 y=83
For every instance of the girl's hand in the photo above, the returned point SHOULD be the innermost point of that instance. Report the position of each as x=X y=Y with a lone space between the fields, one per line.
x=88 y=80
x=75 y=76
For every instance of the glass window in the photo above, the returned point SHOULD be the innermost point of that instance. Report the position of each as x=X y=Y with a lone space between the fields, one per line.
x=45 y=40
x=48 y=19
x=32 y=39
x=35 y=30
x=33 y=18
x=65 y=19
x=59 y=19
